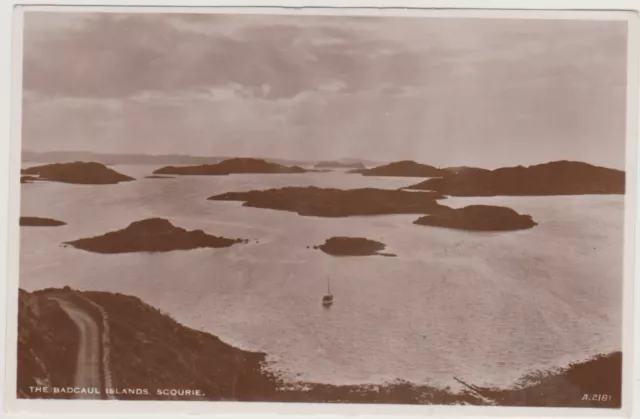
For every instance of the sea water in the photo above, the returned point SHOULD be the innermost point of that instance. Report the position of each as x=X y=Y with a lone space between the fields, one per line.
x=484 y=307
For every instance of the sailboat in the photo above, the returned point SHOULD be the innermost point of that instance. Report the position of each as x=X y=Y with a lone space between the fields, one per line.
x=327 y=300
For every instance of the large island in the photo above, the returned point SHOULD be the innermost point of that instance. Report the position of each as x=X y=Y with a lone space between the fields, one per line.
x=328 y=202
x=85 y=173
x=151 y=235
x=554 y=178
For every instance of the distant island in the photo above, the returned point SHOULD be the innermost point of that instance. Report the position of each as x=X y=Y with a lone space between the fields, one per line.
x=405 y=168
x=151 y=235
x=479 y=218
x=352 y=246
x=327 y=202
x=48 y=342
x=340 y=165
x=85 y=173
x=227 y=167
x=554 y=178
x=40 y=222
x=115 y=158
x=142 y=159
x=159 y=177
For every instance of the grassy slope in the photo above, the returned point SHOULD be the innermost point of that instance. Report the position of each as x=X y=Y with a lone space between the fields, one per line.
x=47 y=345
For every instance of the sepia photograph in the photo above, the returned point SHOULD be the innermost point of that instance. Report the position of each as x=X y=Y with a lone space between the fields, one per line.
x=324 y=207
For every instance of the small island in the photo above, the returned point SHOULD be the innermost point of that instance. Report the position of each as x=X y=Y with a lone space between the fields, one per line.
x=230 y=166
x=28 y=179
x=340 y=165
x=151 y=235
x=479 y=218
x=40 y=222
x=159 y=177
x=327 y=202
x=405 y=168
x=352 y=246
x=85 y=173
x=554 y=178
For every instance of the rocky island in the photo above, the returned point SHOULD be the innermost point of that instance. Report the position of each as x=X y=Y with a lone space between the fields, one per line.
x=327 y=202
x=352 y=246
x=167 y=354
x=85 y=173
x=151 y=235
x=40 y=222
x=230 y=166
x=554 y=178
x=159 y=177
x=405 y=168
x=479 y=218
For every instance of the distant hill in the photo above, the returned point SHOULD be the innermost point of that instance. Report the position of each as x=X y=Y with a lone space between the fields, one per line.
x=554 y=178
x=406 y=168
x=226 y=167
x=340 y=165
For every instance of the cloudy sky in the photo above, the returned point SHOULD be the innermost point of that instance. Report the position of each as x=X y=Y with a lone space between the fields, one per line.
x=443 y=91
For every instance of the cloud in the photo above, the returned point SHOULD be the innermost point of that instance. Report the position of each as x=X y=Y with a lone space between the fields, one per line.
x=308 y=85
x=116 y=55
x=111 y=55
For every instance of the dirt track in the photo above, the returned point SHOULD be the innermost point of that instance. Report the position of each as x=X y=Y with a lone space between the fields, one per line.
x=89 y=361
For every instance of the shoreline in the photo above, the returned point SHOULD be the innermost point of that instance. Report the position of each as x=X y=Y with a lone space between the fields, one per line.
x=149 y=349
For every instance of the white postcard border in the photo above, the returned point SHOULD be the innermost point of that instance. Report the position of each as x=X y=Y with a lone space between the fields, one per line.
x=558 y=8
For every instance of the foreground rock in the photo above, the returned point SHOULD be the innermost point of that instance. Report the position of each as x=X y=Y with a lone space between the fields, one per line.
x=340 y=165
x=86 y=173
x=352 y=246
x=320 y=202
x=150 y=350
x=479 y=218
x=151 y=235
x=227 y=167
x=40 y=222
x=406 y=168
x=555 y=178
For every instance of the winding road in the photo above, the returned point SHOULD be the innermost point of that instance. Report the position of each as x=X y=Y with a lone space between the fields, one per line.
x=89 y=362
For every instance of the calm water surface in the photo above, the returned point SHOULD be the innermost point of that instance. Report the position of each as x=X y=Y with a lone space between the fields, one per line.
x=485 y=307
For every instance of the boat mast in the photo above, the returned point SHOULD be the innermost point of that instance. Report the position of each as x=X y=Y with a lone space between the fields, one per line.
x=328 y=285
